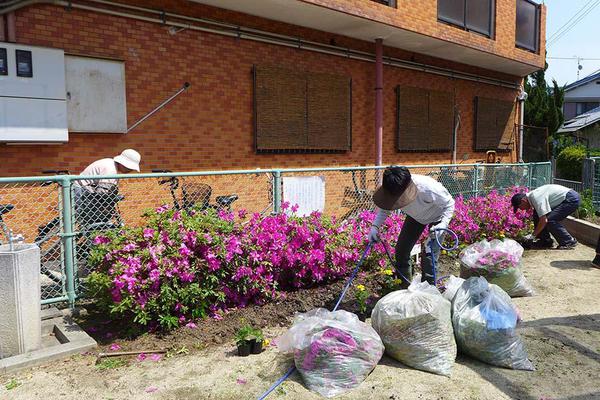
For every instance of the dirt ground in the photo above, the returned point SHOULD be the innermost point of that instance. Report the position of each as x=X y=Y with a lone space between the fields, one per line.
x=561 y=329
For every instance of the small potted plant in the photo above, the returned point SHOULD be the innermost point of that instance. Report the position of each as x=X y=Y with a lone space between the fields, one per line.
x=257 y=346
x=244 y=339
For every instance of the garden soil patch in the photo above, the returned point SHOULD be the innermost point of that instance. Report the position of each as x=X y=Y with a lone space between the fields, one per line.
x=561 y=330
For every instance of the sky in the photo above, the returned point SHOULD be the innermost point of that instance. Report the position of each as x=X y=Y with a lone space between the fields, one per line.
x=583 y=40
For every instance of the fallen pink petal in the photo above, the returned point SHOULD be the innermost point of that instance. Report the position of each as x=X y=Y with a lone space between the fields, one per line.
x=156 y=357
x=191 y=325
x=241 y=381
x=141 y=357
x=115 y=347
x=151 y=389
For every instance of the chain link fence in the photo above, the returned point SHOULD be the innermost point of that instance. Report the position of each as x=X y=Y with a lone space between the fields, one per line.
x=62 y=217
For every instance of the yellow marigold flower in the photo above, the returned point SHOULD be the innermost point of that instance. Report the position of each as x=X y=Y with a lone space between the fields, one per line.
x=388 y=272
x=361 y=288
x=266 y=342
x=397 y=281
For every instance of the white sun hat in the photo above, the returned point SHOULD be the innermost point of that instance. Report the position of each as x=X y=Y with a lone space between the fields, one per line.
x=129 y=158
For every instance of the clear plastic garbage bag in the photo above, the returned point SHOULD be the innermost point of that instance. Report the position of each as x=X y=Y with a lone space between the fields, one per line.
x=333 y=351
x=452 y=286
x=499 y=262
x=484 y=320
x=416 y=327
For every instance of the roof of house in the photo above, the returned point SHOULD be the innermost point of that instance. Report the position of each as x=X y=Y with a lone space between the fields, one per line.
x=581 y=121
x=583 y=81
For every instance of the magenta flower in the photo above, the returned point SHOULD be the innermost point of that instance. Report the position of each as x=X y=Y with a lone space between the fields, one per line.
x=115 y=347
x=101 y=240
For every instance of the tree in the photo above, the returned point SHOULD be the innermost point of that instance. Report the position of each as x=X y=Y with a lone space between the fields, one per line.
x=544 y=104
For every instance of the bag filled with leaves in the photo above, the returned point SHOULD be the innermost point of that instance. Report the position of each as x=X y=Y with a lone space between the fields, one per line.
x=416 y=327
x=485 y=321
x=333 y=351
x=499 y=262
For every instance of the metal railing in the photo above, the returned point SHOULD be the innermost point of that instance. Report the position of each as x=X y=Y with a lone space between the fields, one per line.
x=576 y=186
x=53 y=212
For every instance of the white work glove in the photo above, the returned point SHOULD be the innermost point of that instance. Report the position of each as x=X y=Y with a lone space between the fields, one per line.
x=439 y=226
x=374 y=234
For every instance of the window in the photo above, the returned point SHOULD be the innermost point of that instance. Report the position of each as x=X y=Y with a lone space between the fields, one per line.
x=24 y=63
x=390 y=3
x=528 y=25
x=301 y=112
x=494 y=124
x=472 y=15
x=3 y=62
x=425 y=119
x=585 y=107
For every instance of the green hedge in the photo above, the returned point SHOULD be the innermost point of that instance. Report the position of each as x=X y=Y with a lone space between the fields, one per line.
x=569 y=162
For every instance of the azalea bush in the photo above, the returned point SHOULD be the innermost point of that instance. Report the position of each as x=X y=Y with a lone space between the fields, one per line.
x=489 y=217
x=181 y=266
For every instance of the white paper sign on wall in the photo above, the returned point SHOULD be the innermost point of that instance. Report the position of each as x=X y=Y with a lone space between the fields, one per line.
x=308 y=192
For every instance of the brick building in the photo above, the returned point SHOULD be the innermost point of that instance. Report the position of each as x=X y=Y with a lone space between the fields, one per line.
x=274 y=83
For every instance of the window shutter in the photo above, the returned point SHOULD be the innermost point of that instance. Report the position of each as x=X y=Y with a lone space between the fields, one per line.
x=494 y=124
x=425 y=119
x=329 y=112
x=280 y=109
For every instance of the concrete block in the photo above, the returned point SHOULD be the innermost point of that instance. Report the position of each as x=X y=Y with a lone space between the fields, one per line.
x=585 y=232
x=62 y=337
x=20 y=325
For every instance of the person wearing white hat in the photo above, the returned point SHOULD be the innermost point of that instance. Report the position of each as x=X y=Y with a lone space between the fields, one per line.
x=127 y=161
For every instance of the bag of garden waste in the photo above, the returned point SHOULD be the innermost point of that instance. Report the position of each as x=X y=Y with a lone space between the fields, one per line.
x=333 y=351
x=416 y=327
x=484 y=320
x=499 y=262
x=452 y=286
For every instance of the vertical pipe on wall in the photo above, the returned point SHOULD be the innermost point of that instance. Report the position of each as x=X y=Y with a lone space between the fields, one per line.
x=522 y=97
x=2 y=29
x=11 y=27
x=378 y=100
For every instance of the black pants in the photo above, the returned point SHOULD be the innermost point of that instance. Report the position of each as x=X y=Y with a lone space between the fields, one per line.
x=410 y=233
x=559 y=213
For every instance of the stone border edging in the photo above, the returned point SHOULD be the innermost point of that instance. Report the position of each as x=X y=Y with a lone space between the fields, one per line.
x=585 y=232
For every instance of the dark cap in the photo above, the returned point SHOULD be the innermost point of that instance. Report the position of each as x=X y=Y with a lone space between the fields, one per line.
x=516 y=200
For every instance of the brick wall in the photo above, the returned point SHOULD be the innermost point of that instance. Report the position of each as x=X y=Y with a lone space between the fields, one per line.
x=421 y=17
x=210 y=126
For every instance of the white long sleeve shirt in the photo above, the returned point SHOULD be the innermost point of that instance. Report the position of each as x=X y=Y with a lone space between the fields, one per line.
x=105 y=166
x=432 y=204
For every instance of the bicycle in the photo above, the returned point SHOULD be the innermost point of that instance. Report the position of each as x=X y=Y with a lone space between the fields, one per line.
x=358 y=198
x=194 y=195
x=94 y=212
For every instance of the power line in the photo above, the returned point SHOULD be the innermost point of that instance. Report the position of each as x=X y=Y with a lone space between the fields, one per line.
x=573 y=24
x=573 y=58
x=570 y=19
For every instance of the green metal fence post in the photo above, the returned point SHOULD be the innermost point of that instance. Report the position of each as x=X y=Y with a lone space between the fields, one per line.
x=277 y=191
x=475 y=180
x=529 y=175
x=67 y=238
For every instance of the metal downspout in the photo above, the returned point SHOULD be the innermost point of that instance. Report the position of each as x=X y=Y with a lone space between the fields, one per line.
x=522 y=97
x=2 y=28
x=11 y=27
x=378 y=100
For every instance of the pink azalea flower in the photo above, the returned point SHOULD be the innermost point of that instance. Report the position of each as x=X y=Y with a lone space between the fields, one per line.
x=115 y=347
